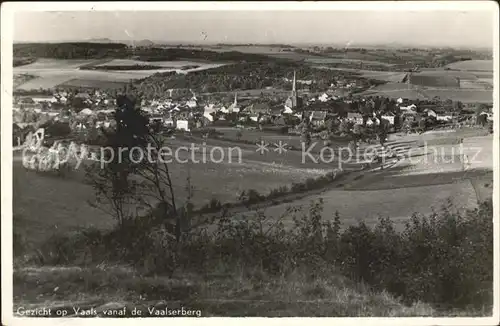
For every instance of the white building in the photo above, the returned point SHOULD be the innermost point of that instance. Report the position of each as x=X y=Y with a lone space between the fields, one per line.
x=323 y=98
x=182 y=125
x=389 y=117
x=40 y=99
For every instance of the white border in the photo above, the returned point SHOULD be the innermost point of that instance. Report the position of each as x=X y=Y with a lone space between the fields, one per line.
x=6 y=129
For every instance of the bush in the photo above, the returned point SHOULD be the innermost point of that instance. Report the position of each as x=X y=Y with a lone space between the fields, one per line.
x=251 y=196
x=445 y=258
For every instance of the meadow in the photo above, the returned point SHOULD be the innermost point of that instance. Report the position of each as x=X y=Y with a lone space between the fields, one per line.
x=51 y=73
x=472 y=65
x=44 y=204
x=368 y=206
x=327 y=60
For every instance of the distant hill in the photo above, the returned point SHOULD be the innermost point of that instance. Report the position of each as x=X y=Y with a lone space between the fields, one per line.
x=127 y=42
x=144 y=43
x=101 y=40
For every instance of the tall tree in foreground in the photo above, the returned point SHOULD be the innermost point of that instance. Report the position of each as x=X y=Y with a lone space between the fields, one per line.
x=137 y=177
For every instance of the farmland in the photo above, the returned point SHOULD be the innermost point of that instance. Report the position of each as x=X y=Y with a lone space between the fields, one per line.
x=54 y=72
x=432 y=177
x=398 y=204
x=472 y=65
x=46 y=201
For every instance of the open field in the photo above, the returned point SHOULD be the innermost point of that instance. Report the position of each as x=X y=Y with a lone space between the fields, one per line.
x=64 y=205
x=223 y=294
x=53 y=72
x=92 y=83
x=389 y=76
x=421 y=183
x=462 y=95
x=479 y=151
x=480 y=65
x=20 y=79
x=44 y=204
x=398 y=204
x=465 y=95
x=166 y=64
x=446 y=73
x=327 y=60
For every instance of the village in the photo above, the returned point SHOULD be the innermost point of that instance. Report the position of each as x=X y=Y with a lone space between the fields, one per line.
x=336 y=110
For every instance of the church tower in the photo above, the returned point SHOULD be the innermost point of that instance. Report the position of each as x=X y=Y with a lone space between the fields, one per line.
x=292 y=100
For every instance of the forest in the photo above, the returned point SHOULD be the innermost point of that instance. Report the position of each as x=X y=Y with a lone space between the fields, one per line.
x=84 y=50
x=247 y=75
x=70 y=50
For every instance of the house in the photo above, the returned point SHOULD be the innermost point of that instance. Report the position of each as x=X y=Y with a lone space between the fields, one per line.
x=440 y=114
x=192 y=103
x=280 y=121
x=156 y=118
x=317 y=118
x=169 y=122
x=444 y=117
x=26 y=100
x=431 y=113
x=258 y=108
x=84 y=96
x=409 y=108
x=372 y=121
x=287 y=110
x=276 y=111
x=323 y=98
x=86 y=112
x=182 y=125
x=389 y=117
x=40 y=99
x=209 y=111
x=52 y=113
x=355 y=117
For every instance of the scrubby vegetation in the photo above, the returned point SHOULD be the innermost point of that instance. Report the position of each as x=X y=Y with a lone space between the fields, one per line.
x=445 y=259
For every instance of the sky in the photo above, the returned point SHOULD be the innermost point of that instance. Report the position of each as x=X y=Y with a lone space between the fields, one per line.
x=433 y=28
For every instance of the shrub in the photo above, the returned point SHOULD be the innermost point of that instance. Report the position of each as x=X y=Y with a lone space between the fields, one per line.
x=251 y=196
x=445 y=258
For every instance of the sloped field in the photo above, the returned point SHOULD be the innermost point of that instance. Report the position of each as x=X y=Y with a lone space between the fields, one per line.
x=482 y=65
x=398 y=204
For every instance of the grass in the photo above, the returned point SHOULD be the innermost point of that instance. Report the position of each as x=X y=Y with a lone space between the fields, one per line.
x=481 y=65
x=387 y=200
x=90 y=83
x=20 y=79
x=43 y=204
x=167 y=64
x=53 y=72
x=228 y=293
x=326 y=60
x=242 y=269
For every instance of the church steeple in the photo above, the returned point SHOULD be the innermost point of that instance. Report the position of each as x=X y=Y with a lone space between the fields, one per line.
x=293 y=86
x=235 y=99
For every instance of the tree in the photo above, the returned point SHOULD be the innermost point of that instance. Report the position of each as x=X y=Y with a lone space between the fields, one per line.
x=305 y=136
x=480 y=117
x=457 y=106
x=382 y=130
x=127 y=180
